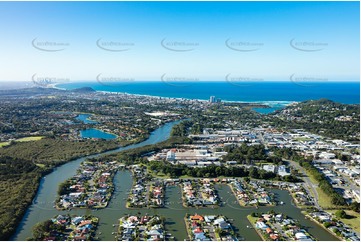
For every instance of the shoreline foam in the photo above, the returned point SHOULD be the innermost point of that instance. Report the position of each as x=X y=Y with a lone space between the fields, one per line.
x=271 y=104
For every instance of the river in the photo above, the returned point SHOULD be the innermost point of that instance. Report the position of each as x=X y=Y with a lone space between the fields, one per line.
x=42 y=207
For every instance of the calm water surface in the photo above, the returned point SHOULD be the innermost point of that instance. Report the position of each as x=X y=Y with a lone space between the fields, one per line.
x=96 y=133
x=85 y=119
x=42 y=208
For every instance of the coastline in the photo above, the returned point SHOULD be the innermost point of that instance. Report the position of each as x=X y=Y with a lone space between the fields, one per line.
x=55 y=86
x=270 y=104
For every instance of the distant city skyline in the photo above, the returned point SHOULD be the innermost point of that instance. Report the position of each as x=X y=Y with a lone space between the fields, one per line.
x=180 y=41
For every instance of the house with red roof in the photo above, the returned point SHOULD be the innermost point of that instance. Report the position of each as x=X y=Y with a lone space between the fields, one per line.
x=197 y=217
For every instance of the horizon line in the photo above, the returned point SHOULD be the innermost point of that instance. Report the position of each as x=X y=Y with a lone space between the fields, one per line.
x=179 y=81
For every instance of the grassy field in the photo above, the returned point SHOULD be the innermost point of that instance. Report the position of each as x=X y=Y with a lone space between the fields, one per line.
x=158 y=174
x=323 y=199
x=313 y=180
x=251 y=219
x=2 y=144
x=30 y=138
x=353 y=219
x=185 y=177
x=25 y=139
x=303 y=139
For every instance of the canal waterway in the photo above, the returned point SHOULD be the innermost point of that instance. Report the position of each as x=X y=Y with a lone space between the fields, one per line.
x=42 y=207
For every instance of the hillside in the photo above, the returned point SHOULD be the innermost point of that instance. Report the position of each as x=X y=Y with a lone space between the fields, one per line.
x=323 y=117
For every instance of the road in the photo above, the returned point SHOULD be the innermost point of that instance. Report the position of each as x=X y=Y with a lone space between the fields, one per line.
x=306 y=179
x=350 y=184
x=260 y=136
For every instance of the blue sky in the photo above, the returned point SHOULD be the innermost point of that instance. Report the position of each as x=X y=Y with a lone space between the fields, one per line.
x=268 y=40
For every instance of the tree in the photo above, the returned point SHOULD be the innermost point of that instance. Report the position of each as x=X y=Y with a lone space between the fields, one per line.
x=253 y=172
x=41 y=230
x=340 y=214
x=327 y=224
x=355 y=206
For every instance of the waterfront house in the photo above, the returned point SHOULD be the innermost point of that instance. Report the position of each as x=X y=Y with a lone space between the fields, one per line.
x=274 y=236
x=200 y=237
x=197 y=217
x=77 y=220
x=261 y=225
x=209 y=218
x=302 y=236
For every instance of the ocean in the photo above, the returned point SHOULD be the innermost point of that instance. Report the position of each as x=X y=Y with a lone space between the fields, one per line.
x=274 y=94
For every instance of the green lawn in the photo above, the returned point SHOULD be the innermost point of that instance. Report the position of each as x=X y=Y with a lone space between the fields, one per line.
x=313 y=180
x=353 y=221
x=161 y=174
x=30 y=138
x=25 y=139
x=252 y=220
x=323 y=199
x=185 y=177
x=158 y=174
x=2 y=144
x=303 y=139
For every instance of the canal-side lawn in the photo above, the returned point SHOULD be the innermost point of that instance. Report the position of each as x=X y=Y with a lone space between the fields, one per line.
x=353 y=219
x=253 y=221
